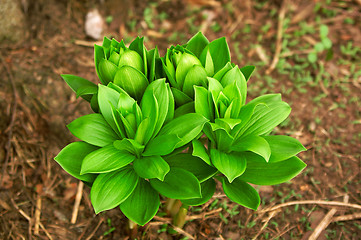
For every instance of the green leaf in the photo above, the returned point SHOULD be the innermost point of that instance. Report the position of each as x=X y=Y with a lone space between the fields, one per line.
x=142 y=130
x=186 y=127
x=283 y=147
x=93 y=129
x=138 y=46
x=161 y=145
x=184 y=109
x=247 y=71
x=132 y=81
x=255 y=144
x=75 y=82
x=151 y=167
x=196 y=76
x=71 y=157
x=207 y=188
x=242 y=193
x=223 y=139
x=207 y=62
x=150 y=109
x=201 y=102
x=111 y=189
x=107 y=71
x=223 y=71
x=180 y=98
x=86 y=90
x=199 y=150
x=161 y=93
x=98 y=56
x=260 y=172
x=267 y=117
x=106 y=159
x=326 y=42
x=197 y=43
x=312 y=57
x=151 y=59
x=142 y=205
x=235 y=75
x=130 y=146
x=232 y=165
x=192 y=164
x=178 y=184
x=323 y=30
x=107 y=98
x=220 y=53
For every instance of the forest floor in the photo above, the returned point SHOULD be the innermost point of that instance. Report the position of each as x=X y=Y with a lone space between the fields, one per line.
x=285 y=40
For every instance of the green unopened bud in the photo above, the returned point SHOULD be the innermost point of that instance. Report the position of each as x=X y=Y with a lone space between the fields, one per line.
x=196 y=76
x=114 y=58
x=107 y=71
x=186 y=62
x=132 y=81
x=133 y=59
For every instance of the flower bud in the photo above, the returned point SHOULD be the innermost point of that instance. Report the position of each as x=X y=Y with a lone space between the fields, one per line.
x=133 y=59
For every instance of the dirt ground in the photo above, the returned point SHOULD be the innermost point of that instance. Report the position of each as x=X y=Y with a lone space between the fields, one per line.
x=37 y=196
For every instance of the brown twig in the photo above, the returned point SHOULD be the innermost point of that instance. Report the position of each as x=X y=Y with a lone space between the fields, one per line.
x=347 y=217
x=95 y=229
x=281 y=18
x=271 y=215
x=37 y=215
x=29 y=219
x=323 y=224
x=204 y=215
x=319 y=202
x=12 y=119
x=78 y=197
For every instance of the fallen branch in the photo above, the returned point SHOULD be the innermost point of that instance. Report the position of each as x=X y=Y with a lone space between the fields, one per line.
x=78 y=197
x=319 y=202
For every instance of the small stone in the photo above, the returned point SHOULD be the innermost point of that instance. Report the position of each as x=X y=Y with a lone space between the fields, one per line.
x=12 y=21
x=94 y=24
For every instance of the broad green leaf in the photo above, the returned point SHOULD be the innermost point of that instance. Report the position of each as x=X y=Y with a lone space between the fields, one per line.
x=106 y=159
x=208 y=64
x=266 y=118
x=220 y=53
x=260 y=172
x=71 y=157
x=196 y=76
x=98 y=56
x=93 y=129
x=111 y=189
x=187 y=61
x=128 y=126
x=161 y=93
x=197 y=43
x=201 y=102
x=223 y=139
x=232 y=165
x=223 y=71
x=184 y=109
x=142 y=130
x=180 y=98
x=129 y=145
x=255 y=144
x=107 y=71
x=207 y=188
x=247 y=71
x=178 y=184
x=186 y=127
x=199 y=150
x=132 y=81
x=235 y=75
x=142 y=205
x=151 y=167
x=76 y=83
x=283 y=147
x=106 y=98
x=242 y=193
x=150 y=109
x=161 y=145
x=192 y=164
x=171 y=105
x=125 y=103
x=94 y=103
x=86 y=90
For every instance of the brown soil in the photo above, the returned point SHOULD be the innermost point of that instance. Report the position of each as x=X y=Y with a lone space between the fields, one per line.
x=36 y=105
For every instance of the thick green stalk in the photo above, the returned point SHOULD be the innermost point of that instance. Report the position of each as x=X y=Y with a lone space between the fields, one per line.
x=180 y=218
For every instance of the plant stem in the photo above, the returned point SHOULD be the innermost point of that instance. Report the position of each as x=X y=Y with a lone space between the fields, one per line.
x=180 y=218
x=133 y=229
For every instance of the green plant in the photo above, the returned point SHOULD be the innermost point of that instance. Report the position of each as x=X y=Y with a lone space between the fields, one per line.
x=319 y=47
x=173 y=126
